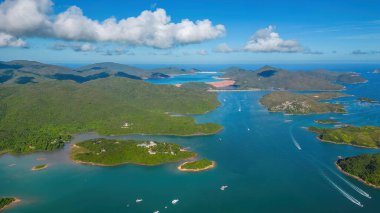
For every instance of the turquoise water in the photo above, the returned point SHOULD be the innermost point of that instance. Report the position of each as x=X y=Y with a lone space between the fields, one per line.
x=180 y=79
x=257 y=155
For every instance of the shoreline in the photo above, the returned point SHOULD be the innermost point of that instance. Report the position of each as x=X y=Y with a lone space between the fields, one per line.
x=11 y=205
x=355 y=177
x=354 y=145
x=213 y=165
x=236 y=90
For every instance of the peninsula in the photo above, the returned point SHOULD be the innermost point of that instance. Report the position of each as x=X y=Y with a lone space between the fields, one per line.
x=293 y=103
x=271 y=78
x=105 y=152
x=197 y=166
x=360 y=136
x=43 y=116
x=365 y=168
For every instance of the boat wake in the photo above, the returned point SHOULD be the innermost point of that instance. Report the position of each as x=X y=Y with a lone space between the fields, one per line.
x=344 y=193
x=294 y=140
x=354 y=187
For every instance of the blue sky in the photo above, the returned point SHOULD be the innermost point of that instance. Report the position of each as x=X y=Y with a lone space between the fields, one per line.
x=240 y=32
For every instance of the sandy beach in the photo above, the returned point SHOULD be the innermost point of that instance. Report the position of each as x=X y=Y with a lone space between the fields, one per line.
x=221 y=84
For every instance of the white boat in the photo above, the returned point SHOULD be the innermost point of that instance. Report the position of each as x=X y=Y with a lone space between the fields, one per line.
x=223 y=188
x=156 y=211
x=175 y=201
x=139 y=200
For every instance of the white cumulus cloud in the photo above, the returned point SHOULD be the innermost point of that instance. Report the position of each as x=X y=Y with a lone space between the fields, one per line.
x=150 y=28
x=266 y=40
x=25 y=17
x=7 y=40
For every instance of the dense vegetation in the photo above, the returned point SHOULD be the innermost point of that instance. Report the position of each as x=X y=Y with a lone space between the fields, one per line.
x=366 y=167
x=365 y=136
x=273 y=78
x=197 y=165
x=292 y=103
x=326 y=121
x=114 y=152
x=5 y=201
x=42 y=116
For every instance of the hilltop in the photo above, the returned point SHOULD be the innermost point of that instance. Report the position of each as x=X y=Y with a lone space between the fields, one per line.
x=273 y=78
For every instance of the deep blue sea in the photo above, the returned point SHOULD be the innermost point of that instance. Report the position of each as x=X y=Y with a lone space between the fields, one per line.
x=267 y=160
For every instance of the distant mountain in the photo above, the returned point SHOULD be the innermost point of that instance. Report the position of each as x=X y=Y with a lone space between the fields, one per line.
x=269 y=77
x=22 y=72
x=114 y=68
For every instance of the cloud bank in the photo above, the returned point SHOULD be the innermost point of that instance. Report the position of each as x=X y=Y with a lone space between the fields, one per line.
x=266 y=40
x=34 y=18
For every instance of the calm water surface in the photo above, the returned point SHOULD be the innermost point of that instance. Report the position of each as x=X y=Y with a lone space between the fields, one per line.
x=267 y=160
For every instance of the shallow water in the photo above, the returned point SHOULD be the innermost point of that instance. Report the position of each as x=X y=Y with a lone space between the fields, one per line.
x=256 y=155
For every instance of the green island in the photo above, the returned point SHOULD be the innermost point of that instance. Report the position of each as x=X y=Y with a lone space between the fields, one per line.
x=7 y=201
x=40 y=167
x=326 y=121
x=365 y=168
x=105 y=152
x=368 y=100
x=270 y=78
x=43 y=116
x=361 y=136
x=293 y=103
x=197 y=166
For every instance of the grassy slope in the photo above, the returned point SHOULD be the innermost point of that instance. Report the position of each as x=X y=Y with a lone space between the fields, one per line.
x=199 y=164
x=366 y=136
x=37 y=117
x=366 y=167
x=119 y=152
x=292 y=103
